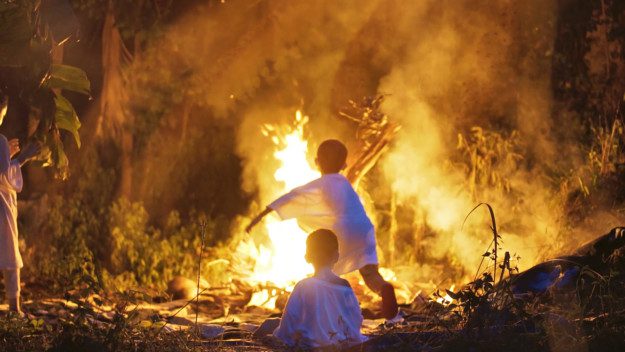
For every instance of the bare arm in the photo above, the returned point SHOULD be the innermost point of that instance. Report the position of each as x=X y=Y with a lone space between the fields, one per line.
x=257 y=219
x=30 y=151
x=14 y=147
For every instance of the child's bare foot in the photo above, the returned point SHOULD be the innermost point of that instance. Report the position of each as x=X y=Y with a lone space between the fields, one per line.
x=398 y=319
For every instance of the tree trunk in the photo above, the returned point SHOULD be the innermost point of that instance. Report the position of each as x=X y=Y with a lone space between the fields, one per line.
x=113 y=123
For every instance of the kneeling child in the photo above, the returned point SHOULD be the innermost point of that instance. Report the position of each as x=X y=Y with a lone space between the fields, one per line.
x=322 y=310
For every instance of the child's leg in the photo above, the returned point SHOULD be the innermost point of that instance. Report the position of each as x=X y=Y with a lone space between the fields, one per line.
x=267 y=327
x=377 y=284
x=12 y=287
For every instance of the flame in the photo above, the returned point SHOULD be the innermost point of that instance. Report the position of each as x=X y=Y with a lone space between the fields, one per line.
x=282 y=264
x=264 y=298
x=446 y=299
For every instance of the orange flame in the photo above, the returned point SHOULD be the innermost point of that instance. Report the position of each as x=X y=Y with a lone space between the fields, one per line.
x=282 y=263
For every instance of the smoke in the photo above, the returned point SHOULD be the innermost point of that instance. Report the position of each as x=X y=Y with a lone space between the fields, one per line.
x=446 y=66
x=485 y=65
x=242 y=63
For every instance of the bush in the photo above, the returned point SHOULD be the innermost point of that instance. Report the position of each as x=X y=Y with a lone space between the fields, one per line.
x=145 y=256
x=89 y=233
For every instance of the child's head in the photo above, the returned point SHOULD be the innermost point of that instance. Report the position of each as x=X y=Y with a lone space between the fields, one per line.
x=322 y=248
x=331 y=156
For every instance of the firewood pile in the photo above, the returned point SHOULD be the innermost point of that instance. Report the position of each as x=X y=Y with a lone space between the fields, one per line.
x=374 y=133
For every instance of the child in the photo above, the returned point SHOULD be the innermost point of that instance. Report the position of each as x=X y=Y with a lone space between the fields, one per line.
x=331 y=202
x=11 y=183
x=322 y=310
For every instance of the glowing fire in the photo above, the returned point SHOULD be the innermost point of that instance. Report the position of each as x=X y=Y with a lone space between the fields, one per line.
x=446 y=299
x=283 y=264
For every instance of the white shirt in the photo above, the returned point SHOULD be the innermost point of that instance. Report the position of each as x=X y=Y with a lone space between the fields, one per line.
x=319 y=314
x=330 y=202
x=10 y=183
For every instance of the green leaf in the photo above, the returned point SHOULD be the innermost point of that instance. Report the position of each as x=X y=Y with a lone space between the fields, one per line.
x=15 y=34
x=58 y=156
x=68 y=78
x=65 y=117
x=44 y=159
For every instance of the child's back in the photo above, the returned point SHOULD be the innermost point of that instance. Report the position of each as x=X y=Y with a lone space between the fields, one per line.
x=321 y=313
x=330 y=202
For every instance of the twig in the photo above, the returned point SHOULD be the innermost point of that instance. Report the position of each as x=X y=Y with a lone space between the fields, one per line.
x=496 y=236
x=477 y=272
x=180 y=310
x=199 y=270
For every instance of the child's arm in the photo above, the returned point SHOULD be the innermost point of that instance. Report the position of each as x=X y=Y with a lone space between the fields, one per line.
x=14 y=147
x=257 y=219
x=30 y=151
x=290 y=205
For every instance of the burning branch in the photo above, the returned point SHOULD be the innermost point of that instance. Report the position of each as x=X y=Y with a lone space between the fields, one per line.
x=374 y=132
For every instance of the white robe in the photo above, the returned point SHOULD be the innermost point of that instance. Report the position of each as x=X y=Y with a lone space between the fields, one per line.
x=10 y=183
x=330 y=202
x=319 y=314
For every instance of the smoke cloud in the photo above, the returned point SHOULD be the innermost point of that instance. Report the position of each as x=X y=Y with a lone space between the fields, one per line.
x=446 y=66
x=486 y=65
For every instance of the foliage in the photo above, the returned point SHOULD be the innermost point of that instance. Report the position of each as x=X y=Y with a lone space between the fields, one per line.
x=484 y=301
x=26 y=73
x=487 y=315
x=16 y=32
x=73 y=231
x=146 y=257
x=156 y=91
x=598 y=183
x=607 y=151
x=136 y=20
x=90 y=233
x=86 y=329
x=489 y=158
x=588 y=61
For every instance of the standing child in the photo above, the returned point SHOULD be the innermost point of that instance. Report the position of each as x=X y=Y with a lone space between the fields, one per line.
x=322 y=310
x=11 y=183
x=330 y=202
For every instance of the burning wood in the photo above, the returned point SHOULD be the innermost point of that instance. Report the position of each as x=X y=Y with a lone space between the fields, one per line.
x=282 y=264
x=374 y=133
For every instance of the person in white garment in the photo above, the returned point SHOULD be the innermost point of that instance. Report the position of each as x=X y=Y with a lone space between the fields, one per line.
x=331 y=202
x=322 y=310
x=11 y=183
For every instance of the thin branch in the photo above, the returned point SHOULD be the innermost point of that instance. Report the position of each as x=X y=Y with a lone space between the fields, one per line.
x=199 y=270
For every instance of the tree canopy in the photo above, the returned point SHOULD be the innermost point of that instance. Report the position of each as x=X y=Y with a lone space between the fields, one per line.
x=30 y=76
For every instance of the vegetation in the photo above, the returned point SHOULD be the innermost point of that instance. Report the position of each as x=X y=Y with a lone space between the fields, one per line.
x=154 y=155
x=30 y=75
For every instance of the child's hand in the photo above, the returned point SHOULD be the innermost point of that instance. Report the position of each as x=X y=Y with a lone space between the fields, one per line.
x=30 y=151
x=257 y=219
x=248 y=228
x=14 y=147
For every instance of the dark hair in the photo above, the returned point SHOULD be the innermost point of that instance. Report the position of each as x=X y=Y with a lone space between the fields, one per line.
x=321 y=247
x=331 y=156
